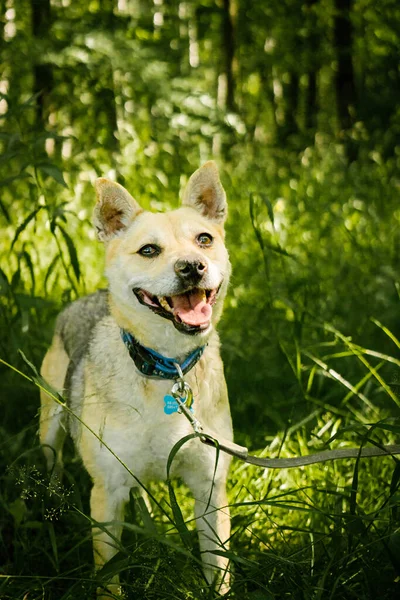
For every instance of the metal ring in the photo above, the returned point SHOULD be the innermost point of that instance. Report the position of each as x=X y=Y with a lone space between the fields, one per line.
x=181 y=389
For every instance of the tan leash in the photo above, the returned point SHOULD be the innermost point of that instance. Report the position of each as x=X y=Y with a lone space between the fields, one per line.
x=209 y=437
x=241 y=452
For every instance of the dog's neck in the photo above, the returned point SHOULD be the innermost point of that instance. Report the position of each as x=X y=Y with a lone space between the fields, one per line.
x=161 y=336
x=153 y=364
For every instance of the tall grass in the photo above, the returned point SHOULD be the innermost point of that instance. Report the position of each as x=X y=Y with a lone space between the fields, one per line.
x=310 y=345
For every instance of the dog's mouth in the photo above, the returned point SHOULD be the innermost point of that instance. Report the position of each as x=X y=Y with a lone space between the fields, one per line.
x=190 y=311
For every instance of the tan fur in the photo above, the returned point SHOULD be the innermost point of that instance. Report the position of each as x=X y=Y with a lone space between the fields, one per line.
x=124 y=408
x=52 y=428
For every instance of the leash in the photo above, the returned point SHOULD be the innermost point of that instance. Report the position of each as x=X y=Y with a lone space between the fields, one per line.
x=183 y=396
x=152 y=364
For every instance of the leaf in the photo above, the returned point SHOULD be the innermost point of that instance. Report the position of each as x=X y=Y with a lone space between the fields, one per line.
x=16 y=278
x=4 y=285
x=8 y=180
x=354 y=524
x=40 y=381
x=164 y=540
x=26 y=256
x=53 y=171
x=73 y=255
x=117 y=564
x=179 y=520
x=28 y=301
x=31 y=101
x=53 y=543
x=144 y=511
x=53 y=136
x=50 y=270
x=234 y=557
x=387 y=427
x=24 y=225
x=253 y=222
x=260 y=237
x=279 y=250
x=18 y=510
x=7 y=156
x=387 y=331
x=270 y=209
x=4 y=211
x=394 y=486
x=354 y=487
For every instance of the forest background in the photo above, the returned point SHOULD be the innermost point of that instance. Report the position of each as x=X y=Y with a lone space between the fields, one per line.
x=299 y=103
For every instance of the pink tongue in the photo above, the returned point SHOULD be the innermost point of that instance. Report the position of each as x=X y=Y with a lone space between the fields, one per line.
x=191 y=308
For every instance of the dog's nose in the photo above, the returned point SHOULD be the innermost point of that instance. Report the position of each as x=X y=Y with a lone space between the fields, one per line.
x=190 y=271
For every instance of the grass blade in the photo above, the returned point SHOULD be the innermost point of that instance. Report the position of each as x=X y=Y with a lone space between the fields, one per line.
x=184 y=532
x=73 y=255
x=24 y=225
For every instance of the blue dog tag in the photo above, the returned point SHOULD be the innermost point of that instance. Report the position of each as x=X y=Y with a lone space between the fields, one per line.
x=171 y=405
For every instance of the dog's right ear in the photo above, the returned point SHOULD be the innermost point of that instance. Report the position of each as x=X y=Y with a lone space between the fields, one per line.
x=115 y=209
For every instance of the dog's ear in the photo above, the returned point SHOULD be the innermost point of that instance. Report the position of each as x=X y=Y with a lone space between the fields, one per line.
x=205 y=193
x=115 y=209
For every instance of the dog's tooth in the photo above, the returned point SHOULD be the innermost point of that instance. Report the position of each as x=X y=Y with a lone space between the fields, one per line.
x=164 y=303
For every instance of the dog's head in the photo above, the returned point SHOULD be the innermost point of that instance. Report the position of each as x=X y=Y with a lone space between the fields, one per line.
x=167 y=268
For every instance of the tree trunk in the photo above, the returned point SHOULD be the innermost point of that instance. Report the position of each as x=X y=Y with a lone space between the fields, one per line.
x=291 y=99
x=42 y=73
x=2 y=20
x=107 y=105
x=229 y=50
x=344 y=80
x=311 y=101
x=313 y=41
x=105 y=96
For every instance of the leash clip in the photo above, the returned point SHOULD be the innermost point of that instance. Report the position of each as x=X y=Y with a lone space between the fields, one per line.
x=181 y=390
x=180 y=395
x=183 y=394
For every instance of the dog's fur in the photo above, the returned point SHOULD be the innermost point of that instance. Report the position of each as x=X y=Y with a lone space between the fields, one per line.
x=89 y=362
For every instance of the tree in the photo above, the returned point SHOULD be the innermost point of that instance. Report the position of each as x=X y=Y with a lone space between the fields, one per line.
x=344 y=77
x=229 y=50
x=42 y=71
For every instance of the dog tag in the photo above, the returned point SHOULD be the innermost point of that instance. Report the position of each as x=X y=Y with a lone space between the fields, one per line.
x=182 y=391
x=170 y=405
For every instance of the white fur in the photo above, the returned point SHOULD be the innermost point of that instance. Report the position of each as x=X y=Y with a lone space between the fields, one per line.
x=124 y=408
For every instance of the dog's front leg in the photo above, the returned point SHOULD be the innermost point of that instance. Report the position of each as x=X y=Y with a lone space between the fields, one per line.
x=107 y=507
x=213 y=525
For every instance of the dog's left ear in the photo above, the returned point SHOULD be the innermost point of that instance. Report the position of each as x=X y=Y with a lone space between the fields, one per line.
x=115 y=209
x=205 y=193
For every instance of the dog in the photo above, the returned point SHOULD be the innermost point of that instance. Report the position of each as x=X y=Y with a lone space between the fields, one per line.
x=110 y=357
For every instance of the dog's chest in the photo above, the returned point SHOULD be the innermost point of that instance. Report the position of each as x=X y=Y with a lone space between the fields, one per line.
x=149 y=431
x=126 y=410
x=131 y=420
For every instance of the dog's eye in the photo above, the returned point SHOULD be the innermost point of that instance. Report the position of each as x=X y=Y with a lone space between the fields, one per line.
x=149 y=250
x=204 y=239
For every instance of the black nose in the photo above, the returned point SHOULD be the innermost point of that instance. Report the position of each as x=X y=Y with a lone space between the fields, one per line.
x=190 y=271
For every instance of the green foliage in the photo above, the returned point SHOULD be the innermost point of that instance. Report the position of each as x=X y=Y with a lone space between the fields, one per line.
x=139 y=92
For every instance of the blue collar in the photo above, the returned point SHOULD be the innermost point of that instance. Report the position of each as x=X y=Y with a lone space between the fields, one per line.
x=152 y=364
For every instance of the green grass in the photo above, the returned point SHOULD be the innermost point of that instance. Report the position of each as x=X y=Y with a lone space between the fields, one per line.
x=311 y=323
x=324 y=531
x=310 y=346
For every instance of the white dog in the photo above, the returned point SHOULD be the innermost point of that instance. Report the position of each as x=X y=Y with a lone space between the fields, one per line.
x=111 y=357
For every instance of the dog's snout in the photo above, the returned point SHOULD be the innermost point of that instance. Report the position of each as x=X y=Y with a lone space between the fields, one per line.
x=190 y=270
